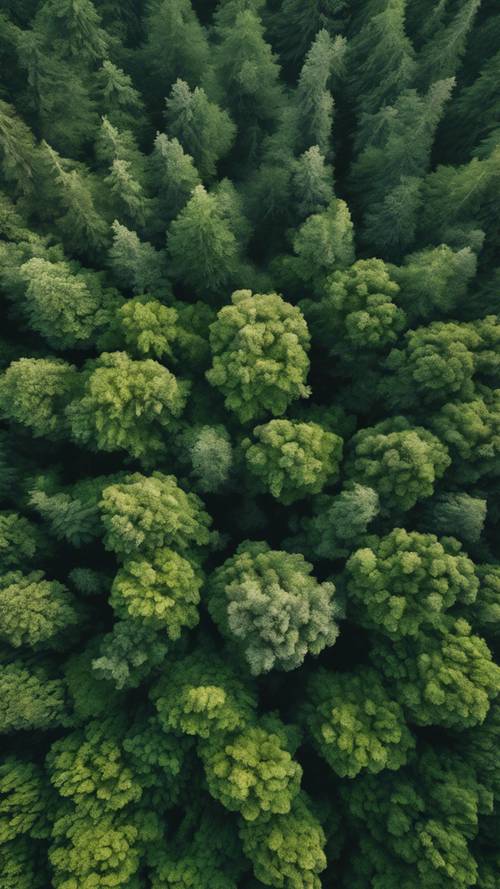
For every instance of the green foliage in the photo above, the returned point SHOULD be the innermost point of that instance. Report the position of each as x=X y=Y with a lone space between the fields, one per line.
x=446 y=677
x=23 y=800
x=143 y=513
x=471 y=432
x=400 y=462
x=358 y=310
x=202 y=248
x=292 y=460
x=136 y=265
x=354 y=724
x=29 y=699
x=259 y=345
x=67 y=309
x=268 y=602
x=211 y=457
x=252 y=772
x=417 y=823
x=33 y=610
x=20 y=541
x=148 y=328
x=458 y=514
x=288 y=849
x=126 y=405
x=162 y=593
x=34 y=393
x=402 y=583
x=201 y=695
x=338 y=522
x=204 y=130
x=87 y=767
x=249 y=253
x=323 y=243
x=175 y=175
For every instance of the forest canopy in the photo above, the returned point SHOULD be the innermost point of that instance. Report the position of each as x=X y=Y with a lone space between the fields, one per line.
x=249 y=444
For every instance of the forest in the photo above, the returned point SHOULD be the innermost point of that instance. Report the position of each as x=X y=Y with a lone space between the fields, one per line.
x=249 y=444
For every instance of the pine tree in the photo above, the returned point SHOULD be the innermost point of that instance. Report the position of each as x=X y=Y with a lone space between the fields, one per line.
x=137 y=266
x=381 y=60
x=202 y=248
x=205 y=131
x=174 y=176
x=315 y=102
x=81 y=225
x=442 y=53
x=176 y=46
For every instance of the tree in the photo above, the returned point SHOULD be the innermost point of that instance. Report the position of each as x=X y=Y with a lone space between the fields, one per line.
x=292 y=460
x=247 y=68
x=73 y=28
x=486 y=610
x=354 y=724
x=470 y=431
x=404 y=582
x=381 y=61
x=211 y=457
x=323 y=243
x=94 y=851
x=20 y=541
x=436 y=364
x=163 y=593
x=358 y=309
x=137 y=265
x=34 y=393
x=259 y=345
x=315 y=102
x=430 y=845
x=288 y=848
x=29 y=698
x=174 y=174
x=148 y=329
x=67 y=306
x=401 y=463
x=34 y=611
x=458 y=514
x=81 y=226
x=126 y=405
x=119 y=100
x=268 y=603
x=71 y=512
x=129 y=653
x=144 y=513
x=252 y=773
x=434 y=281
x=201 y=695
x=313 y=182
x=441 y=54
x=176 y=45
x=204 y=130
x=17 y=145
x=296 y=23
x=88 y=767
x=203 y=250
x=338 y=523
x=127 y=193
x=443 y=677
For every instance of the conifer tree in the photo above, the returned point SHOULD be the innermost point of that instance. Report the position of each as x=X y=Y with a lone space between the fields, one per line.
x=203 y=250
x=381 y=59
x=314 y=100
x=205 y=131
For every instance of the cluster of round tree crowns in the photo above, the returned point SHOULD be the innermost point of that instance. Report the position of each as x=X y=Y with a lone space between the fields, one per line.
x=249 y=444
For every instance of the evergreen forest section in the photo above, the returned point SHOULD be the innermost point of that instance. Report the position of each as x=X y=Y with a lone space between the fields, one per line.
x=249 y=444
